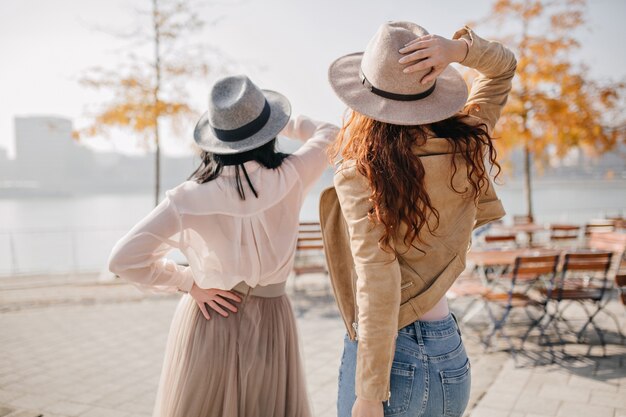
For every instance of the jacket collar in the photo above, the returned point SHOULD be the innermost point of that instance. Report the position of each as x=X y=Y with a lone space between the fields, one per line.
x=433 y=146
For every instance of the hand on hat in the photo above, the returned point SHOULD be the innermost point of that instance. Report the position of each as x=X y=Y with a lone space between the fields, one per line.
x=432 y=51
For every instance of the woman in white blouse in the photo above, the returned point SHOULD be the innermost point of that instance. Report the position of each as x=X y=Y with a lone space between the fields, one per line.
x=236 y=221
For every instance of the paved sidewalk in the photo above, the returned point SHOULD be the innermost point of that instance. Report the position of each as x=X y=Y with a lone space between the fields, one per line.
x=83 y=348
x=585 y=388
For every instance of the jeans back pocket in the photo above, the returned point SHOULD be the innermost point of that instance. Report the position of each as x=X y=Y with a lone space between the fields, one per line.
x=456 y=389
x=402 y=376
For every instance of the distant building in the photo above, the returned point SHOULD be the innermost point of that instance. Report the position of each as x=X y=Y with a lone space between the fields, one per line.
x=46 y=156
x=49 y=162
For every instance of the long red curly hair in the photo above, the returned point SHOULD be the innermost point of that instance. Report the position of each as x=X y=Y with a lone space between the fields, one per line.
x=382 y=151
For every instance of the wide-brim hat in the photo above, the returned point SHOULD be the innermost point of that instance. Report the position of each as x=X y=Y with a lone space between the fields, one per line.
x=240 y=117
x=373 y=83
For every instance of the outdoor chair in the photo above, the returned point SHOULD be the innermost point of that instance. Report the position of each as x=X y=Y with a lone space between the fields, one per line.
x=528 y=272
x=610 y=241
x=309 y=257
x=501 y=240
x=496 y=241
x=620 y=283
x=467 y=286
x=564 y=233
x=522 y=219
x=620 y=222
x=599 y=226
x=584 y=279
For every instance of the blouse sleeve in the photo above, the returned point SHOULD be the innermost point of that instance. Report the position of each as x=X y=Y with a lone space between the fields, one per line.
x=311 y=158
x=139 y=256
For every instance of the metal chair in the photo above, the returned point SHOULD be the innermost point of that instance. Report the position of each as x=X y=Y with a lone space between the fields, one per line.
x=527 y=273
x=620 y=222
x=620 y=283
x=470 y=286
x=564 y=233
x=610 y=241
x=510 y=240
x=522 y=219
x=584 y=280
x=599 y=226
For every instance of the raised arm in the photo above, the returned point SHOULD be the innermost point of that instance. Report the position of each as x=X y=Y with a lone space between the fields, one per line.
x=377 y=288
x=494 y=62
x=311 y=158
x=496 y=66
x=139 y=256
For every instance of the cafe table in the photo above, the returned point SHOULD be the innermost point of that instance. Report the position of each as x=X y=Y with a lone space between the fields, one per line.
x=486 y=257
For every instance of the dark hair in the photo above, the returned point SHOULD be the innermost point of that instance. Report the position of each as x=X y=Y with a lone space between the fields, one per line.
x=211 y=165
x=384 y=151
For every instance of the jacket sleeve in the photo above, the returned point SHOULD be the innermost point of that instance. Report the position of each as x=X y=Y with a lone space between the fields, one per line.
x=377 y=288
x=490 y=207
x=310 y=159
x=496 y=66
x=139 y=256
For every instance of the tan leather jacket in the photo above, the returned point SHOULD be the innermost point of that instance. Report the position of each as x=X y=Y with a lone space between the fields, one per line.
x=385 y=291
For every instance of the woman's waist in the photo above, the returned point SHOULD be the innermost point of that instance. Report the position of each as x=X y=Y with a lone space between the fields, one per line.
x=265 y=291
x=443 y=327
x=438 y=312
x=228 y=280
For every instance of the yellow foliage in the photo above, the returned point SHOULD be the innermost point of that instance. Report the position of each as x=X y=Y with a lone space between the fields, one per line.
x=143 y=92
x=554 y=103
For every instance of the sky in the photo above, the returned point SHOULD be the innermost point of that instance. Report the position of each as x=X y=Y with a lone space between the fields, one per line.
x=282 y=45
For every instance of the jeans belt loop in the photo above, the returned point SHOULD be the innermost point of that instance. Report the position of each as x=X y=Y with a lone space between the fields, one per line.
x=418 y=333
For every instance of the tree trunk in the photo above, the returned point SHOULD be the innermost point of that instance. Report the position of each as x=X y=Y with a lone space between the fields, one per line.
x=157 y=68
x=527 y=105
x=528 y=184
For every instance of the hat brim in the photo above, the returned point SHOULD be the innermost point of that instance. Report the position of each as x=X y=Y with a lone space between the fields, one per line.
x=448 y=98
x=280 y=111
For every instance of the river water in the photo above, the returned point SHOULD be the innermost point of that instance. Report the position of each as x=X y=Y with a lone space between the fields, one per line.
x=55 y=235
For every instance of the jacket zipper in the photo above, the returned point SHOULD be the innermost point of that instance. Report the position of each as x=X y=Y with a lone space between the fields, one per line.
x=355 y=325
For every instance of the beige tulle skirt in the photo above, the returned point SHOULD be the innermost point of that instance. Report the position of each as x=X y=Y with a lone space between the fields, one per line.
x=247 y=364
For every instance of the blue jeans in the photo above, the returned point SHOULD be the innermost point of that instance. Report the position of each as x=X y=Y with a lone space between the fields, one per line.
x=430 y=375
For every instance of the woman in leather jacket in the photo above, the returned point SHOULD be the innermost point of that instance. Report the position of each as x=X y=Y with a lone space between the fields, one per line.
x=412 y=183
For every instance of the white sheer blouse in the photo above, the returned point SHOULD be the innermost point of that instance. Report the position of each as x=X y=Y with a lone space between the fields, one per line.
x=227 y=240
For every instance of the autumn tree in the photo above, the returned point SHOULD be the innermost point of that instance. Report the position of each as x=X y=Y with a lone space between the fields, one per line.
x=148 y=87
x=554 y=104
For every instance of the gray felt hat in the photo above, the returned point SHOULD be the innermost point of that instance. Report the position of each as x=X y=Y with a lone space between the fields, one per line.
x=240 y=117
x=372 y=82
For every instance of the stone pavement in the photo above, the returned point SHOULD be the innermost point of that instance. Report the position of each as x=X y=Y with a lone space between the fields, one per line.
x=79 y=347
x=589 y=388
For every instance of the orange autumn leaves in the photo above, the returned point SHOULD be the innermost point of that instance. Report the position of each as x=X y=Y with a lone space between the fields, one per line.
x=132 y=103
x=149 y=84
x=555 y=105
